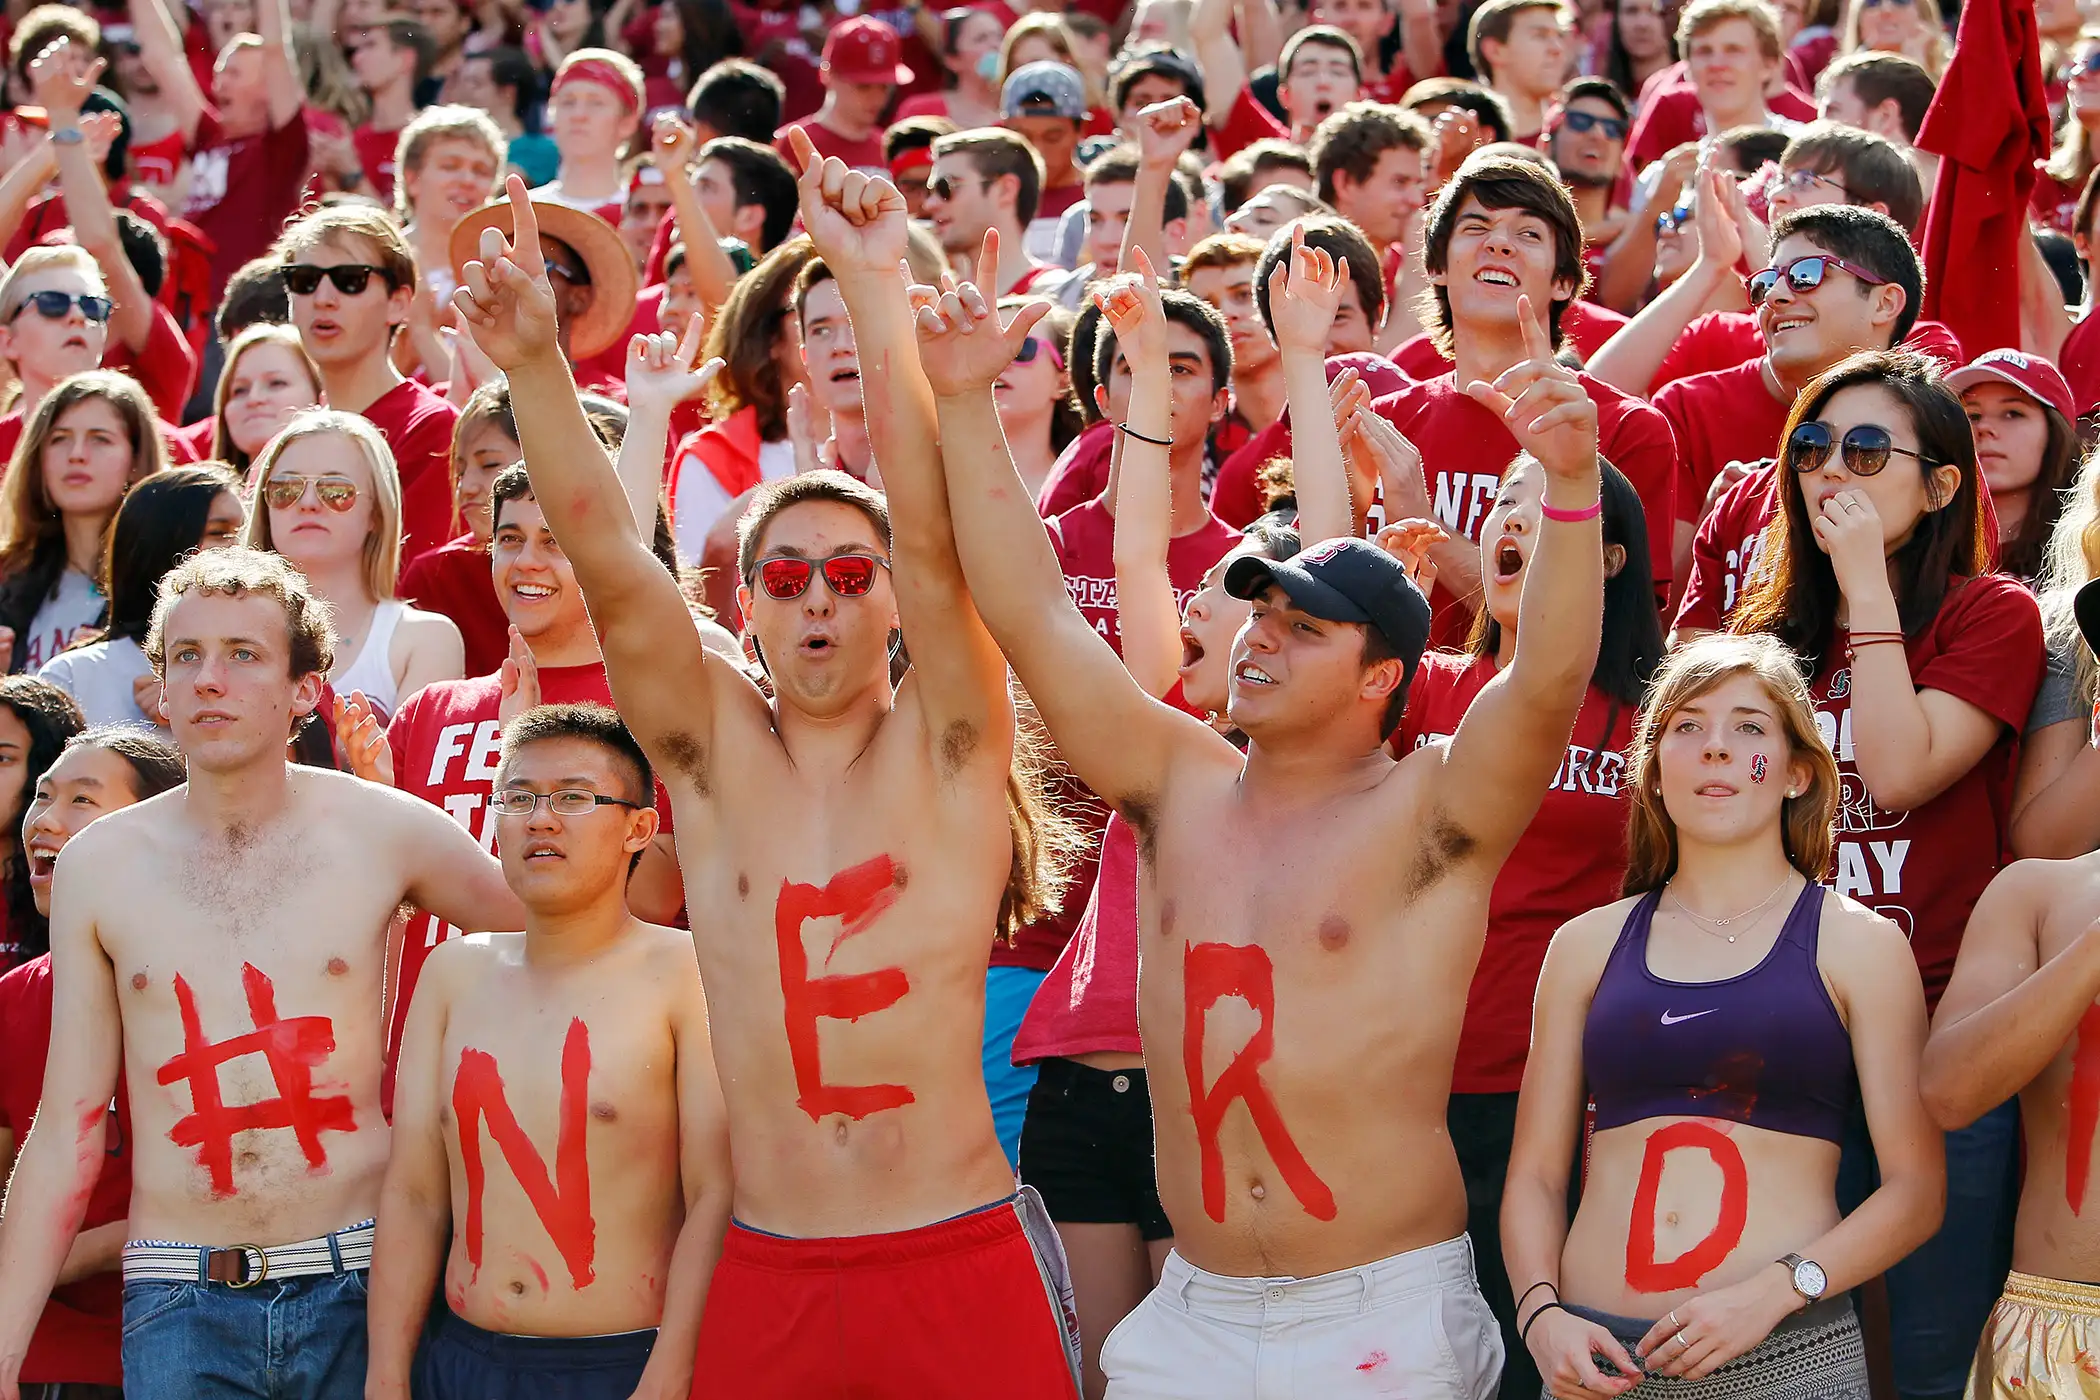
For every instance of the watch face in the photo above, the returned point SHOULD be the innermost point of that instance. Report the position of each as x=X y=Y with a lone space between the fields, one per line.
x=1809 y=1279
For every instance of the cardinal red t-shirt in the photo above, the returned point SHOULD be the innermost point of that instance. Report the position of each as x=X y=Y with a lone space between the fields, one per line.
x=1673 y=116
x=1585 y=325
x=1085 y=542
x=79 y=1337
x=417 y=425
x=375 y=154
x=2080 y=362
x=1726 y=549
x=446 y=739
x=1570 y=860
x=1725 y=339
x=454 y=579
x=1465 y=450
x=865 y=154
x=242 y=189
x=1923 y=869
x=1728 y=416
x=1080 y=472
x=166 y=368
x=1246 y=123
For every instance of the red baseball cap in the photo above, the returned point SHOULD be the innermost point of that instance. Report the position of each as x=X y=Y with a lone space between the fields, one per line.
x=865 y=50
x=2030 y=374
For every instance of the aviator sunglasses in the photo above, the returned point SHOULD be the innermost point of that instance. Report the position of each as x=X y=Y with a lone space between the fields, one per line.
x=787 y=577
x=338 y=493
x=1803 y=275
x=1865 y=449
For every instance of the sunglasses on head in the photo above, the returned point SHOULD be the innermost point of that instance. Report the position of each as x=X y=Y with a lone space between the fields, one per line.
x=1865 y=449
x=786 y=577
x=55 y=305
x=1583 y=123
x=304 y=279
x=1034 y=346
x=338 y=493
x=1803 y=275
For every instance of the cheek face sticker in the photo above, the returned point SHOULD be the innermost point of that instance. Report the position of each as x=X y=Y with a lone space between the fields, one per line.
x=1757 y=768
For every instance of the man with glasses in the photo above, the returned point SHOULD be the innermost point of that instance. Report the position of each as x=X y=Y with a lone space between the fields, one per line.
x=352 y=276
x=561 y=1155
x=54 y=323
x=990 y=178
x=1586 y=140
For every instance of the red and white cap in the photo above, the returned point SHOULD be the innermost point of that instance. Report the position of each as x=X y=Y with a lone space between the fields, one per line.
x=2030 y=374
x=865 y=50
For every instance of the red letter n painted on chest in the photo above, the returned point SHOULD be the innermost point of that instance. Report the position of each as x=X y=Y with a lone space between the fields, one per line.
x=562 y=1203
x=1212 y=972
x=856 y=897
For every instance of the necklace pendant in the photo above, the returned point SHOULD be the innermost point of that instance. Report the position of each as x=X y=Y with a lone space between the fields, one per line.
x=1731 y=938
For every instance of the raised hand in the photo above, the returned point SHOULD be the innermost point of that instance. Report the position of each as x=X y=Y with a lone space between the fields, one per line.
x=1304 y=291
x=518 y=683
x=660 y=369
x=1848 y=529
x=1410 y=541
x=1130 y=303
x=858 y=222
x=56 y=87
x=361 y=736
x=1543 y=404
x=146 y=694
x=1166 y=129
x=802 y=432
x=508 y=310
x=1380 y=450
x=674 y=140
x=1720 y=239
x=962 y=345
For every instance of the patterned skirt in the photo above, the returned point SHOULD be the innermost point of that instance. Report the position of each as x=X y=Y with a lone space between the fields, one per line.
x=1816 y=1354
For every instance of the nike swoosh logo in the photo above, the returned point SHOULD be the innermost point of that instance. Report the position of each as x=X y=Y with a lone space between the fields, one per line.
x=1669 y=1020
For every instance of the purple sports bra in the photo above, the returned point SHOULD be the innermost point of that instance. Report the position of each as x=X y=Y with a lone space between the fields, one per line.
x=1765 y=1047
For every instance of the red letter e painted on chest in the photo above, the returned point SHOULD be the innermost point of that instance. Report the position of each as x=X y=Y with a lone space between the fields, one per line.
x=1210 y=973
x=856 y=897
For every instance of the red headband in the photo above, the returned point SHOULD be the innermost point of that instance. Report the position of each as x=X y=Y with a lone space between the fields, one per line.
x=605 y=74
x=911 y=159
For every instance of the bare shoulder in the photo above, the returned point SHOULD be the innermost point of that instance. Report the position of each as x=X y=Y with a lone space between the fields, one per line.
x=329 y=795
x=1592 y=935
x=1853 y=939
x=666 y=949
x=416 y=624
x=457 y=962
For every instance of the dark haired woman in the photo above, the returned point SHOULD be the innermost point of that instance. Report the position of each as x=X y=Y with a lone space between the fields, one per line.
x=76 y=1349
x=1923 y=665
x=1570 y=858
x=970 y=40
x=1720 y=1026
x=2027 y=449
x=167 y=517
x=36 y=720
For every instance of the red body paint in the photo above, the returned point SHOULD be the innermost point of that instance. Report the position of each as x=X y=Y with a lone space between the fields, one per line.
x=562 y=1204
x=1757 y=768
x=856 y=897
x=2084 y=1121
x=292 y=1047
x=1644 y=1272
x=1372 y=1362
x=1210 y=973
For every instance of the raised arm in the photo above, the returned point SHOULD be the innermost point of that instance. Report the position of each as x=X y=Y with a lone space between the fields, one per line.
x=712 y=272
x=859 y=225
x=30 y=164
x=1304 y=291
x=659 y=672
x=2006 y=1014
x=1515 y=734
x=1146 y=613
x=1630 y=359
x=1164 y=131
x=48 y=1194
x=1224 y=66
x=1119 y=740
x=661 y=375
x=287 y=94
x=1421 y=42
x=52 y=80
x=160 y=51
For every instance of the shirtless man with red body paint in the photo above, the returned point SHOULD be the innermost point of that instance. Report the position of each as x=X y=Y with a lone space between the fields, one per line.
x=1287 y=896
x=560 y=1153
x=223 y=943
x=847 y=852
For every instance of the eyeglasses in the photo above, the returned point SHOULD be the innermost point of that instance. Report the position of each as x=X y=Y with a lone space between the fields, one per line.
x=1865 y=449
x=2080 y=68
x=55 y=305
x=1876 y=4
x=1034 y=346
x=943 y=188
x=1803 y=275
x=1799 y=182
x=338 y=493
x=568 y=802
x=786 y=577
x=1583 y=123
x=1671 y=220
x=304 y=279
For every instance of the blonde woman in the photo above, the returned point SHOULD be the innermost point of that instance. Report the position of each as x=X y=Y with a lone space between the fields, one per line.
x=269 y=380
x=2064 y=175
x=2055 y=813
x=1708 y=1241
x=1913 y=28
x=90 y=440
x=328 y=499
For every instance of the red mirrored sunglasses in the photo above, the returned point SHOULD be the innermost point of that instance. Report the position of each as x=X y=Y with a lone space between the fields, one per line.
x=786 y=577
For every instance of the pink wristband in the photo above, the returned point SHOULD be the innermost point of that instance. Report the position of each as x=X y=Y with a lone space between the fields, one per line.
x=1573 y=517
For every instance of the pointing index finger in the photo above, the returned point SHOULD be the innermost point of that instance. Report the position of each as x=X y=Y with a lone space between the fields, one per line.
x=1537 y=345
x=525 y=225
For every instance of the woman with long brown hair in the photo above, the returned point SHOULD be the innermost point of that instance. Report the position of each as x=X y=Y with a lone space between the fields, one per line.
x=268 y=380
x=1922 y=666
x=90 y=440
x=1723 y=1023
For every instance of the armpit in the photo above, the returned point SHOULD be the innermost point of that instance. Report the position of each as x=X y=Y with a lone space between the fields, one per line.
x=1442 y=845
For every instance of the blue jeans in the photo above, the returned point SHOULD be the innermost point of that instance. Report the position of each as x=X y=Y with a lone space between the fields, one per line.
x=1941 y=1296
x=1007 y=992
x=283 y=1339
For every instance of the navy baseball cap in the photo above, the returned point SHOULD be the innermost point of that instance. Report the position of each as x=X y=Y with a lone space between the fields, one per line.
x=1345 y=580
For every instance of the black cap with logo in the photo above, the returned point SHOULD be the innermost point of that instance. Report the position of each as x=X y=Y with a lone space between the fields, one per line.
x=1345 y=581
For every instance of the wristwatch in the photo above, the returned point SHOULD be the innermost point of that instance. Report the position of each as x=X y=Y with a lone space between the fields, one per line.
x=1809 y=1279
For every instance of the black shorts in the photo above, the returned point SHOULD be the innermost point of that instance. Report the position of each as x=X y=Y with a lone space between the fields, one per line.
x=459 y=1361
x=1086 y=1146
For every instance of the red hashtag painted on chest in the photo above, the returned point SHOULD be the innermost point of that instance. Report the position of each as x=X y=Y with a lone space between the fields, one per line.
x=292 y=1047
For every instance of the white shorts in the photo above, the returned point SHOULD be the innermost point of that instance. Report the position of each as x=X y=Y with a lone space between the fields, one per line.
x=1412 y=1325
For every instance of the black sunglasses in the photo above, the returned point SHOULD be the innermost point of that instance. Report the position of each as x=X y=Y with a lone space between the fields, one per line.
x=1865 y=449
x=1586 y=122
x=55 y=305
x=304 y=279
x=941 y=187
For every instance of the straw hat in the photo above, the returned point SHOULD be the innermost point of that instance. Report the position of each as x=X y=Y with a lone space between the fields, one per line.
x=614 y=285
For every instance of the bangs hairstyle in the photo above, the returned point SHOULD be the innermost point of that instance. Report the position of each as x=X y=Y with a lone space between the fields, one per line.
x=1326 y=36
x=770 y=499
x=155 y=763
x=1866 y=239
x=1182 y=309
x=338 y=223
x=747 y=333
x=1503 y=182
x=487 y=407
x=1794 y=594
x=1632 y=645
x=593 y=724
x=1352 y=140
x=1870 y=168
x=1340 y=240
x=995 y=153
x=382 y=552
x=444 y=123
x=160 y=524
x=1807 y=822
x=223 y=447
x=52 y=719
x=237 y=573
x=1702 y=15
x=514 y=483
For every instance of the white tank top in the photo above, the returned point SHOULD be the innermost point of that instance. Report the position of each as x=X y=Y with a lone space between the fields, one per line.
x=373 y=669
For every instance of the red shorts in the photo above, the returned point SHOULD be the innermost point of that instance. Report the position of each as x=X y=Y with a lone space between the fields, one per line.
x=975 y=1306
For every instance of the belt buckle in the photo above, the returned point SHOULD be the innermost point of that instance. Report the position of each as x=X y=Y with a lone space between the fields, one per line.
x=242 y=1251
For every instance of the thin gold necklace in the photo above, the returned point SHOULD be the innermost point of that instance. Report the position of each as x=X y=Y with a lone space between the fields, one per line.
x=1717 y=927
